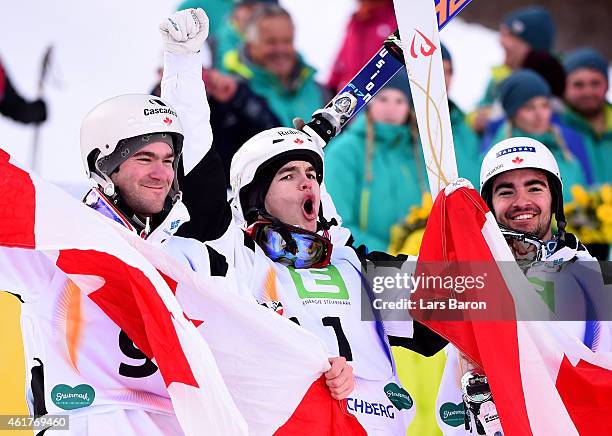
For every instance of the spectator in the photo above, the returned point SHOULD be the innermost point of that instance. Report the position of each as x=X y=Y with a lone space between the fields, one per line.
x=465 y=140
x=231 y=36
x=273 y=68
x=523 y=30
x=525 y=97
x=375 y=169
x=588 y=111
x=367 y=28
x=16 y=107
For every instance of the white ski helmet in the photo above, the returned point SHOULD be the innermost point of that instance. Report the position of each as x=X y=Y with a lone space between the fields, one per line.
x=260 y=153
x=518 y=153
x=119 y=120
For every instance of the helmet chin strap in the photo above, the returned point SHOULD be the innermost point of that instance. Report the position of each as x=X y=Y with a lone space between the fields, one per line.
x=254 y=213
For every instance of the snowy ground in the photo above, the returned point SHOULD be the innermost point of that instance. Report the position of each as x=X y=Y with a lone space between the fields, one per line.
x=107 y=48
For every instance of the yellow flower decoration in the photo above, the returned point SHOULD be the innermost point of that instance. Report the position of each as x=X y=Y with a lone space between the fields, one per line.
x=604 y=213
x=580 y=195
x=606 y=194
x=412 y=245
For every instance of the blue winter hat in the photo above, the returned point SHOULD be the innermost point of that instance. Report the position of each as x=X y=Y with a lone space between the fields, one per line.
x=446 y=56
x=400 y=82
x=585 y=58
x=519 y=88
x=534 y=25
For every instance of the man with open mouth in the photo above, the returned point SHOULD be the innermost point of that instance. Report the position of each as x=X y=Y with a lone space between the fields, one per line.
x=282 y=237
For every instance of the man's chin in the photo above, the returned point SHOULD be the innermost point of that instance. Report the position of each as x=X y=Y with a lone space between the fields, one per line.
x=523 y=227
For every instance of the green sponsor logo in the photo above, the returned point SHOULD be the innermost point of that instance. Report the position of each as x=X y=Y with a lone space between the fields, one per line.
x=398 y=396
x=68 y=398
x=319 y=283
x=452 y=414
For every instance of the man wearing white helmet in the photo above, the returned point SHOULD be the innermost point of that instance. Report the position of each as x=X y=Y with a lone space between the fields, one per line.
x=78 y=361
x=289 y=252
x=134 y=163
x=521 y=183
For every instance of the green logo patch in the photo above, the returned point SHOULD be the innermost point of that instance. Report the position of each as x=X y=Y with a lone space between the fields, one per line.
x=319 y=283
x=452 y=414
x=68 y=398
x=398 y=396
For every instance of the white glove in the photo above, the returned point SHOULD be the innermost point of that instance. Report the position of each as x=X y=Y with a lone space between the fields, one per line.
x=185 y=31
x=456 y=184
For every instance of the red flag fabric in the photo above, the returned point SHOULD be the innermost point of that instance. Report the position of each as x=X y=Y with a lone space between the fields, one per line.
x=542 y=381
x=219 y=380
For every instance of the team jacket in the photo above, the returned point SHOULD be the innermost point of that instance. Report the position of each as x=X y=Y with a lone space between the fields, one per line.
x=326 y=301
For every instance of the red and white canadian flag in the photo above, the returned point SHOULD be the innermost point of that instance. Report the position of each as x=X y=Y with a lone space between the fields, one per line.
x=543 y=381
x=220 y=380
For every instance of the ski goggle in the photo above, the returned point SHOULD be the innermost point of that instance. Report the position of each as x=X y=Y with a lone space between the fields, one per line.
x=291 y=245
x=526 y=248
x=475 y=388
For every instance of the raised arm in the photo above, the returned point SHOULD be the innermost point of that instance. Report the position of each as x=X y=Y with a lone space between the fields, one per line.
x=201 y=176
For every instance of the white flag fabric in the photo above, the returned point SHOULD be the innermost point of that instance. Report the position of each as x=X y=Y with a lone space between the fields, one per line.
x=242 y=370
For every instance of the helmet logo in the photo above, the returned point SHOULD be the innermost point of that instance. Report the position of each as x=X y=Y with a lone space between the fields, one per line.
x=298 y=141
x=156 y=101
x=167 y=120
x=517 y=160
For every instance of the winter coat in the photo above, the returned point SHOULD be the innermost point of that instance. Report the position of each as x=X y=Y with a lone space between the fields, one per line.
x=300 y=99
x=599 y=146
x=467 y=145
x=373 y=192
x=365 y=33
x=565 y=145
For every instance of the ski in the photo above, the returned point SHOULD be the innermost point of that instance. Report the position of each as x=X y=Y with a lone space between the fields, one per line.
x=327 y=122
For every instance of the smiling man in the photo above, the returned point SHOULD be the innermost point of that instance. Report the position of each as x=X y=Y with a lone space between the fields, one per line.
x=588 y=110
x=134 y=163
x=521 y=183
x=273 y=68
x=522 y=200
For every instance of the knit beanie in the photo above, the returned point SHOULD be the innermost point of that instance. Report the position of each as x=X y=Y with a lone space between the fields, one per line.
x=519 y=88
x=534 y=25
x=401 y=83
x=585 y=58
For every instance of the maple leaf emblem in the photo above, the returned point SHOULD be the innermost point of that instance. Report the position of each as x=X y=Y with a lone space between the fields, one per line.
x=298 y=141
x=517 y=160
x=167 y=121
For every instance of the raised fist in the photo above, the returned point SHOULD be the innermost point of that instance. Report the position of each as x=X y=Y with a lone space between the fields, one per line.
x=184 y=31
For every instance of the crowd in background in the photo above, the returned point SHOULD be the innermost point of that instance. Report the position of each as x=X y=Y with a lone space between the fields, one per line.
x=375 y=169
x=376 y=174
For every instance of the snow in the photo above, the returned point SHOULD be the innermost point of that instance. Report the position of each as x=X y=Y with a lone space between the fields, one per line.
x=102 y=49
